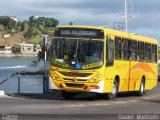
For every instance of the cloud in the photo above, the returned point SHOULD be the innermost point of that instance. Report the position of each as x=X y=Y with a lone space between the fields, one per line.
x=89 y=12
x=147 y=6
x=146 y=20
x=153 y=33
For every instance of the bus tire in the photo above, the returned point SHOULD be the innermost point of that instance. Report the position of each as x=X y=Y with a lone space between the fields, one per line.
x=114 y=91
x=141 y=88
x=68 y=95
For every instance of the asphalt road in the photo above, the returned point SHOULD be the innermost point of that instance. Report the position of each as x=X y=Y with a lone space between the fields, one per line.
x=83 y=106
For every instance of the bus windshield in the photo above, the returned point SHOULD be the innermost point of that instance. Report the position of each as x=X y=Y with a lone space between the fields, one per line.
x=77 y=54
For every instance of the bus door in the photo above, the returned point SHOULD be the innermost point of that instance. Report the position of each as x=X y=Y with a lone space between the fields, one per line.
x=121 y=65
x=125 y=65
x=110 y=71
x=133 y=56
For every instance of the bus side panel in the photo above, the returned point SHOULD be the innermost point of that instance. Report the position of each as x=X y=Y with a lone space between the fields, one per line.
x=119 y=69
x=134 y=76
x=151 y=77
x=109 y=79
x=123 y=68
x=149 y=71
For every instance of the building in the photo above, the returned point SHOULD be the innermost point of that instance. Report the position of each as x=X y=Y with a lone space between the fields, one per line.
x=14 y=18
x=26 y=47
x=6 y=36
x=5 y=49
x=37 y=48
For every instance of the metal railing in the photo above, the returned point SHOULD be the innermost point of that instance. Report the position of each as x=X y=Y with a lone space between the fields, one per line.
x=43 y=73
x=5 y=80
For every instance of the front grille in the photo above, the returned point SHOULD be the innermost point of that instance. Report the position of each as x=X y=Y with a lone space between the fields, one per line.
x=77 y=80
x=81 y=80
x=76 y=74
x=74 y=85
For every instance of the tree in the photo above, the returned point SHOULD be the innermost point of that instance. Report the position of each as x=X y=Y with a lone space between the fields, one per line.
x=17 y=49
x=42 y=22
x=24 y=26
x=48 y=31
x=41 y=54
x=7 y=22
x=34 y=63
x=32 y=22
x=70 y=23
x=32 y=32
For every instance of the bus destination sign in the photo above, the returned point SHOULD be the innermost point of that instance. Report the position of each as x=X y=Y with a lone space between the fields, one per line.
x=79 y=33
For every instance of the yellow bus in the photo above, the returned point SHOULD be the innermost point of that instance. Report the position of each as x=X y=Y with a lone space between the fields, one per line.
x=101 y=60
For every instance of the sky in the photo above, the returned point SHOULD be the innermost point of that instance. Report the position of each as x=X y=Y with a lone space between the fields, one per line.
x=146 y=20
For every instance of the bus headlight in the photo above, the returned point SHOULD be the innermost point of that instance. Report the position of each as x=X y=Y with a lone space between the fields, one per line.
x=95 y=78
x=54 y=76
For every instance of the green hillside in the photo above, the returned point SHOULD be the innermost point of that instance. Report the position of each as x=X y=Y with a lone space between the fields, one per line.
x=29 y=30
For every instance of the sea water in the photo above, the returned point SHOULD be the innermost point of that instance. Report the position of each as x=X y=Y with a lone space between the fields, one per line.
x=28 y=83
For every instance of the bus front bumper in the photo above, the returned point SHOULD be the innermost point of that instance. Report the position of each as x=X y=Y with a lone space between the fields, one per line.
x=77 y=87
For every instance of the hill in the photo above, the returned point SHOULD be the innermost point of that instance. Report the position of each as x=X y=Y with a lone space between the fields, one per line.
x=12 y=40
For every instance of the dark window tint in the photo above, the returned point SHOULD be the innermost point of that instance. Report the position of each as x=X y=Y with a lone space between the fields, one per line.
x=110 y=53
x=147 y=53
x=118 y=50
x=141 y=51
x=125 y=49
x=133 y=50
x=154 y=53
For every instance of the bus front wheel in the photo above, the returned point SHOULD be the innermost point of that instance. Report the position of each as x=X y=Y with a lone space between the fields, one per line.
x=68 y=95
x=114 y=92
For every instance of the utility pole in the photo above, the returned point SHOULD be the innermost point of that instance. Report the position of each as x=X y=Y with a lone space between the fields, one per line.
x=45 y=40
x=128 y=8
x=126 y=15
x=45 y=76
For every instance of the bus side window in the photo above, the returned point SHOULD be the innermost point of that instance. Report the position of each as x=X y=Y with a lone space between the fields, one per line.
x=125 y=49
x=149 y=49
x=147 y=52
x=154 y=53
x=118 y=49
x=133 y=49
x=141 y=51
x=110 y=52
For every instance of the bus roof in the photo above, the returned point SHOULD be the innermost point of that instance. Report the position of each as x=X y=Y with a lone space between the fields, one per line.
x=115 y=33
